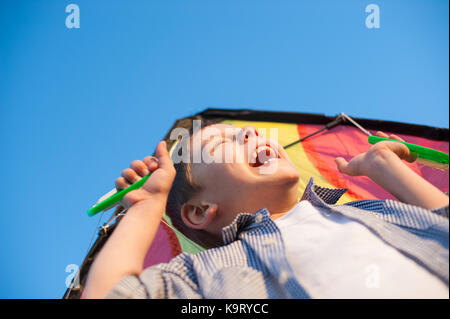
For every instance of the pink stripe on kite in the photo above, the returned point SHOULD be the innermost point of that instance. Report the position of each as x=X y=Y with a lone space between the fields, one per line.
x=347 y=142
x=160 y=250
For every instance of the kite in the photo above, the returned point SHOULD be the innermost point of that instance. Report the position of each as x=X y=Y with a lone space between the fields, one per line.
x=312 y=142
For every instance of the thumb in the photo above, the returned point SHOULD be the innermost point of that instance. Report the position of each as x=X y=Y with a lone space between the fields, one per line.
x=342 y=165
x=163 y=155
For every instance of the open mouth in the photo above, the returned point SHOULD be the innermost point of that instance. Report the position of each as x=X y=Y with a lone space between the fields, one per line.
x=263 y=155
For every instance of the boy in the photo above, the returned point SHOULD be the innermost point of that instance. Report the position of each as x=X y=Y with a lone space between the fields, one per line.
x=263 y=242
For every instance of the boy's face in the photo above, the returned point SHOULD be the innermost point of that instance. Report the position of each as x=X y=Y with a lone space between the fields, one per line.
x=247 y=172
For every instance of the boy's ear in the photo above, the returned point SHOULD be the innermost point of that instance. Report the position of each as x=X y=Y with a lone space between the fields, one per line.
x=198 y=216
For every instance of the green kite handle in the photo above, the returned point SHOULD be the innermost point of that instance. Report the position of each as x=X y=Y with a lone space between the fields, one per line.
x=422 y=152
x=117 y=197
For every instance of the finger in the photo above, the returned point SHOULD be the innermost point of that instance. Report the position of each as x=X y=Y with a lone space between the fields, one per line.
x=151 y=163
x=133 y=197
x=342 y=165
x=381 y=134
x=395 y=137
x=403 y=152
x=163 y=156
x=130 y=175
x=412 y=157
x=408 y=155
x=140 y=168
x=121 y=183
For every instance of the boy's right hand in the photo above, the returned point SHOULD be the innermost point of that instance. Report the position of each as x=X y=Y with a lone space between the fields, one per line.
x=159 y=183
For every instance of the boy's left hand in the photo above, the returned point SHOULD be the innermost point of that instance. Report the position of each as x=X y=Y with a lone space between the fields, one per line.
x=365 y=163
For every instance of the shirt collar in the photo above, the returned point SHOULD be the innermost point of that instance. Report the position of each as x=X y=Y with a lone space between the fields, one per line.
x=317 y=195
x=322 y=196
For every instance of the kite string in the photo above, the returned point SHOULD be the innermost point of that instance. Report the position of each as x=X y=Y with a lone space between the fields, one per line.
x=77 y=276
x=94 y=232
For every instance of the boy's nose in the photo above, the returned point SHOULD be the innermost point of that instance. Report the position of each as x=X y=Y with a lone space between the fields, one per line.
x=248 y=132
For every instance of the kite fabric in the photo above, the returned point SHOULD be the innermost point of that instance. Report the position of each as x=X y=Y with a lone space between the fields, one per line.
x=313 y=157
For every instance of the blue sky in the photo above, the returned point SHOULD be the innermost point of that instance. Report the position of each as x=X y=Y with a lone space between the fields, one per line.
x=78 y=105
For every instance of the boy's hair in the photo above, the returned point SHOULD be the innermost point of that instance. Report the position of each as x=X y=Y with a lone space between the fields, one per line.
x=184 y=187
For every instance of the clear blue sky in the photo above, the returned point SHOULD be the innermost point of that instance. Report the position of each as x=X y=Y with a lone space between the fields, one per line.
x=78 y=105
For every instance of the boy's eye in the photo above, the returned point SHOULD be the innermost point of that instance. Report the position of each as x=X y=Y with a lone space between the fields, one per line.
x=223 y=141
x=220 y=143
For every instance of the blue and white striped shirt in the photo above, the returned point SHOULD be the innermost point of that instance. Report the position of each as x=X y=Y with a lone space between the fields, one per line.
x=253 y=264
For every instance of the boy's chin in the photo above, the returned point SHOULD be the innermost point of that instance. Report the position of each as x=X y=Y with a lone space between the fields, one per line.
x=289 y=176
x=282 y=174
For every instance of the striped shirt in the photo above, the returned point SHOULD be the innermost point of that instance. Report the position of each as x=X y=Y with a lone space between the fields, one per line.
x=253 y=264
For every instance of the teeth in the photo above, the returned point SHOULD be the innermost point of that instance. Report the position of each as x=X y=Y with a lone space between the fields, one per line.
x=268 y=153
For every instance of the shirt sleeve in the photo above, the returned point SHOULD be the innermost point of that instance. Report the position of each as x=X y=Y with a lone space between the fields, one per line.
x=157 y=282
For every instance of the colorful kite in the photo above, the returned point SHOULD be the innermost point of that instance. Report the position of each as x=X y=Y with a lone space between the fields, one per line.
x=312 y=142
